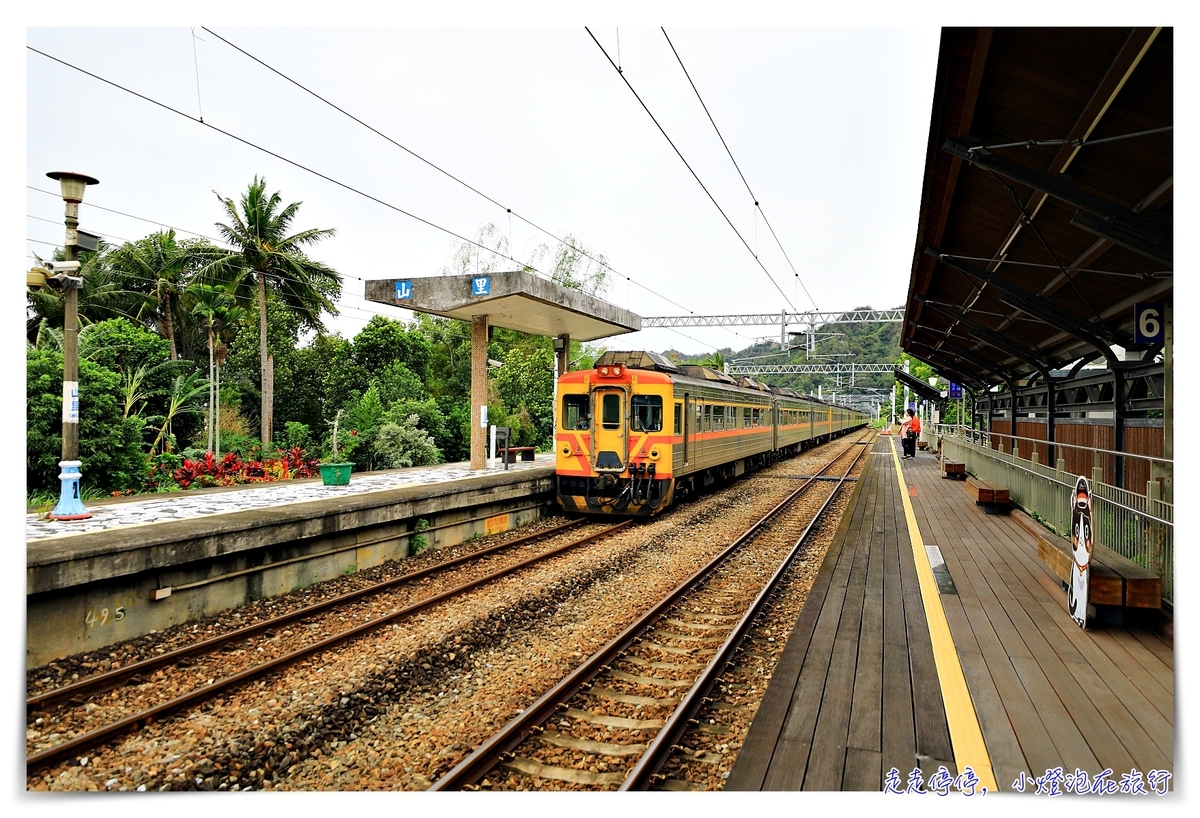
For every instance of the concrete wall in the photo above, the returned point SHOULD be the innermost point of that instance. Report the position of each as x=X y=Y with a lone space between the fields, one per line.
x=86 y=591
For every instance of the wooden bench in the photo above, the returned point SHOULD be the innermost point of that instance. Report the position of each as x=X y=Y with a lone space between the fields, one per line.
x=954 y=470
x=1114 y=580
x=992 y=496
x=526 y=453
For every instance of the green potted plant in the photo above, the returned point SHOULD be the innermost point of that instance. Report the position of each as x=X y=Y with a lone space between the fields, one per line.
x=335 y=472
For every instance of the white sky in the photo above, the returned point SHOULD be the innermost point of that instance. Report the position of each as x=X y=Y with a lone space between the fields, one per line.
x=826 y=112
x=827 y=125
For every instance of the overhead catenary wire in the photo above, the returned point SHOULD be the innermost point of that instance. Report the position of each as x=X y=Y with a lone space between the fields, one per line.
x=757 y=205
x=695 y=176
x=314 y=172
x=291 y=162
x=508 y=210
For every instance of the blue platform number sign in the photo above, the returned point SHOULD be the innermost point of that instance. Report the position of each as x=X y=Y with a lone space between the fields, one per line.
x=955 y=391
x=404 y=291
x=481 y=285
x=1148 y=323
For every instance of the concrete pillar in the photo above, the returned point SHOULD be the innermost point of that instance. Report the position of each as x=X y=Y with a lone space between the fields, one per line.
x=479 y=390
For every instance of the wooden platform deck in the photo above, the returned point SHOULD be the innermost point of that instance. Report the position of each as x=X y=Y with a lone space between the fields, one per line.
x=859 y=689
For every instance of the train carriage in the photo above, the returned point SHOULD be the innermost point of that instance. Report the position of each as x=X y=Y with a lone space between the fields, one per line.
x=635 y=431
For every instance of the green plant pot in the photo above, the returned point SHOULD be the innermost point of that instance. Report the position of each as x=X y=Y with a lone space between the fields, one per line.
x=336 y=474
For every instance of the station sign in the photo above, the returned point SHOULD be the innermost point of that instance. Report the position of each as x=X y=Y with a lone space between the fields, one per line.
x=481 y=285
x=956 y=390
x=1149 y=322
x=404 y=291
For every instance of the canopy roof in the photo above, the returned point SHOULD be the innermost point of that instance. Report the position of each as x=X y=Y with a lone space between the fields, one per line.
x=1037 y=236
x=513 y=300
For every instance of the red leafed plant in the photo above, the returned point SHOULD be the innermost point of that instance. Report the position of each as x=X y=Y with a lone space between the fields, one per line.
x=231 y=469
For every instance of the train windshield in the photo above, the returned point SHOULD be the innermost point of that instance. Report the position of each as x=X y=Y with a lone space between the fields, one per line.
x=647 y=413
x=576 y=412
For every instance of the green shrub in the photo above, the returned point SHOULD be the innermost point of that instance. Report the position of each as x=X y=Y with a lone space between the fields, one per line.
x=110 y=445
x=400 y=445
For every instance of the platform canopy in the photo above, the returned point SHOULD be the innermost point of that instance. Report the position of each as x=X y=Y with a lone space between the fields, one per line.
x=513 y=300
x=922 y=388
x=1045 y=229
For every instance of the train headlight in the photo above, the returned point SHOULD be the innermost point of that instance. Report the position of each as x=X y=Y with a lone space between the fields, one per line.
x=654 y=454
x=566 y=450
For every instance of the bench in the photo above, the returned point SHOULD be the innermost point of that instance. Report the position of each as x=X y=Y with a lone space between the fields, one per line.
x=1113 y=581
x=992 y=496
x=526 y=453
x=954 y=470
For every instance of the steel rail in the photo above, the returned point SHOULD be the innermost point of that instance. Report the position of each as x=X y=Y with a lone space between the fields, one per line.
x=499 y=747
x=102 y=734
x=645 y=771
x=104 y=682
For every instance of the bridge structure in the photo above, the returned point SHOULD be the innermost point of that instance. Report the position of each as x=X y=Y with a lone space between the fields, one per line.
x=808 y=322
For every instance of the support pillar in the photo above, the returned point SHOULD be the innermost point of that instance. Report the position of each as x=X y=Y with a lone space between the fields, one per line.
x=479 y=391
x=1169 y=400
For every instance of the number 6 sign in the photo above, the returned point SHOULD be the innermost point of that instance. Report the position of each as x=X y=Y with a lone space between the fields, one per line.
x=1148 y=320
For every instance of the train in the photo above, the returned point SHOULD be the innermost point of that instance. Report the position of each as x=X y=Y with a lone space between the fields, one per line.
x=637 y=432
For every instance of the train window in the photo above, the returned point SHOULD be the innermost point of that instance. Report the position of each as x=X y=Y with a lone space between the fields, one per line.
x=611 y=411
x=718 y=417
x=745 y=417
x=755 y=416
x=678 y=418
x=576 y=412
x=647 y=413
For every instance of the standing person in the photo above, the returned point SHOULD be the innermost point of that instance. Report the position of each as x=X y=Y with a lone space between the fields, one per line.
x=909 y=430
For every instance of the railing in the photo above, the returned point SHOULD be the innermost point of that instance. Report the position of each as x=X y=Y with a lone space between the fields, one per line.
x=1140 y=527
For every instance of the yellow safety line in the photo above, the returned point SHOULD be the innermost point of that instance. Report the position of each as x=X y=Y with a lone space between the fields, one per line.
x=965 y=733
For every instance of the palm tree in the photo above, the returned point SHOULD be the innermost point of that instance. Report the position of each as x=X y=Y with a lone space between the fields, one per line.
x=184 y=391
x=266 y=258
x=210 y=304
x=159 y=265
x=104 y=294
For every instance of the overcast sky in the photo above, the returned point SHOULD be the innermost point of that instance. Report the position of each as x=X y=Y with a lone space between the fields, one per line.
x=828 y=127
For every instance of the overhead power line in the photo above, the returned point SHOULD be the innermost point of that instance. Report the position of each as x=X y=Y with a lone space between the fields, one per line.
x=754 y=198
x=695 y=176
x=508 y=210
x=282 y=158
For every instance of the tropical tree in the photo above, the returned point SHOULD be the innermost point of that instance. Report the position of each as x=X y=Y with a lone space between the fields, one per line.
x=267 y=257
x=158 y=265
x=182 y=401
x=104 y=294
x=208 y=303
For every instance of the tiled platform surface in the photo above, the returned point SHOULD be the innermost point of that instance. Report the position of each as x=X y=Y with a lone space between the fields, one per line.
x=108 y=514
x=856 y=693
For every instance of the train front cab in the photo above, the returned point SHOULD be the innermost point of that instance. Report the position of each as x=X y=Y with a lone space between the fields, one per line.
x=613 y=446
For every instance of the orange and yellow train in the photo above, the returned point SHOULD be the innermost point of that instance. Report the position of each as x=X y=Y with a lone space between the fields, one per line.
x=636 y=431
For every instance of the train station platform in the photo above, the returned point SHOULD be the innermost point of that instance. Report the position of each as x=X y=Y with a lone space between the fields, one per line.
x=893 y=667
x=148 y=562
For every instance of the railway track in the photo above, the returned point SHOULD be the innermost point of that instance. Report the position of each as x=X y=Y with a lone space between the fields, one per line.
x=614 y=721
x=81 y=693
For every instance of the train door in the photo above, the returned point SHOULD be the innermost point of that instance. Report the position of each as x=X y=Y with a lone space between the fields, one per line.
x=775 y=425
x=687 y=426
x=610 y=441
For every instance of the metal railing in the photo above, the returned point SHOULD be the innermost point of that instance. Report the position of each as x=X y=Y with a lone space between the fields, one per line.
x=1137 y=526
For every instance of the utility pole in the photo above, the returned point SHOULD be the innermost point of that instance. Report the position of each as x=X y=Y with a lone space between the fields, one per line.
x=70 y=505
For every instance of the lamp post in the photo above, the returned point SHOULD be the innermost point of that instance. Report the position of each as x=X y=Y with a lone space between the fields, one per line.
x=70 y=506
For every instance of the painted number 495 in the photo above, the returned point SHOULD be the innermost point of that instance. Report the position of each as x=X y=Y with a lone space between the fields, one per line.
x=92 y=618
